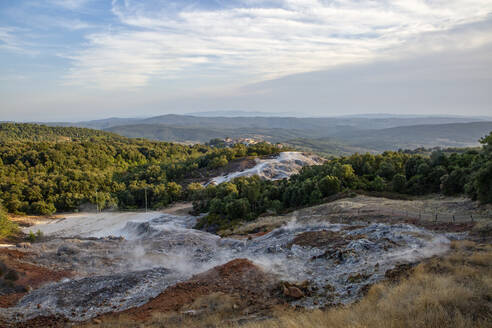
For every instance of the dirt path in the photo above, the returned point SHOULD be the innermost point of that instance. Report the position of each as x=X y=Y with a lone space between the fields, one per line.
x=183 y=208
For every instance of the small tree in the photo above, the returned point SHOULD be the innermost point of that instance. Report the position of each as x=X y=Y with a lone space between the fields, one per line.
x=329 y=185
x=378 y=184
x=43 y=208
x=399 y=183
x=194 y=190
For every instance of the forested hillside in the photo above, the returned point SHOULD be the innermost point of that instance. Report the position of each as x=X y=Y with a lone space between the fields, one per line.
x=467 y=172
x=45 y=169
x=36 y=132
x=201 y=135
x=343 y=135
x=66 y=168
x=409 y=137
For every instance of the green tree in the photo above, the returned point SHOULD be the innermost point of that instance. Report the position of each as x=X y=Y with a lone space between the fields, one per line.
x=42 y=207
x=329 y=185
x=238 y=209
x=378 y=184
x=7 y=227
x=399 y=183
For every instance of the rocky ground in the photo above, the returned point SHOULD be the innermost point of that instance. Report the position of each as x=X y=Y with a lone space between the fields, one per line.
x=419 y=211
x=152 y=263
x=19 y=276
x=275 y=168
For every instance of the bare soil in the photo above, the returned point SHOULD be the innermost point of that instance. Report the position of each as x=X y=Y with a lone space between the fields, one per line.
x=454 y=214
x=183 y=208
x=239 y=277
x=246 y=286
x=30 y=276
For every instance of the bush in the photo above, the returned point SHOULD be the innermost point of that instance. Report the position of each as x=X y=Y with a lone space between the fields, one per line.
x=378 y=184
x=238 y=208
x=399 y=182
x=12 y=275
x=7 y=227
x=329 y=185
x=43 y=208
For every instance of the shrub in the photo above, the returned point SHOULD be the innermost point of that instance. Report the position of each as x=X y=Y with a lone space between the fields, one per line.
x=12 y=275
x=43 y=208
x=399 y=182
x=329 y=185
x=7 y=227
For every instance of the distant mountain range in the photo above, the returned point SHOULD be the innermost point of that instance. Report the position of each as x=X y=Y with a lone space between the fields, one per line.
x=329 y=135
x=239 y=113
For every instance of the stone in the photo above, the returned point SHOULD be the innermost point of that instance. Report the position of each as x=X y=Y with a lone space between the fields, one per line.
x=294 y=292
x=23 y=245
x=66 y=249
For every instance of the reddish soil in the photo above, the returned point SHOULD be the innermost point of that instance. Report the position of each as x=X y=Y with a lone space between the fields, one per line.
x=30 y=275
x=238 y=277
x=442 y=226
x=38 y=322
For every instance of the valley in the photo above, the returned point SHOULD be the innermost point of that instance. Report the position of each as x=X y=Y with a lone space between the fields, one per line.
x=243 y=236
x=341 y=135
x=246 y=164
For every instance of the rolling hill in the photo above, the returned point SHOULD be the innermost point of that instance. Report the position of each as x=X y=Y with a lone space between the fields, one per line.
x=325 y=135
x=409 y=137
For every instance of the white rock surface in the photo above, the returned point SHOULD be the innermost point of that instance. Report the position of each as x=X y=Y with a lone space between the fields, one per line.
x=107 y=224
x=280 y=167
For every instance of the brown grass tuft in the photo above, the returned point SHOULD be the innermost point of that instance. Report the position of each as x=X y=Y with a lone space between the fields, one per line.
x=451 y=291
x=454 y=291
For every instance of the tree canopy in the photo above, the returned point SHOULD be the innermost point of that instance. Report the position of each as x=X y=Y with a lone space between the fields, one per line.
x=449 y=173
x=65 y=169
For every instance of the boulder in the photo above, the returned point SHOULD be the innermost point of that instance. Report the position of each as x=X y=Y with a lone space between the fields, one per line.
x=293 y=292
x=23 y=245
x=67 y=249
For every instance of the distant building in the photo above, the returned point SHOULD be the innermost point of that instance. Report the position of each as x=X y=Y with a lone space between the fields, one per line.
x=229 y=142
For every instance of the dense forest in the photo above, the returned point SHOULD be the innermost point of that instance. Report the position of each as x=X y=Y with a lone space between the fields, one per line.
x=37 y=132
x=450 y=173
x=45 y=170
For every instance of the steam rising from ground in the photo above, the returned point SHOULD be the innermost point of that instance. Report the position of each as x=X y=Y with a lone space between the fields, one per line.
x=124 y=259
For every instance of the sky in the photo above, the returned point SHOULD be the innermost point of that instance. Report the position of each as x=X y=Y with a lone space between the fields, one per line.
x=70 y=60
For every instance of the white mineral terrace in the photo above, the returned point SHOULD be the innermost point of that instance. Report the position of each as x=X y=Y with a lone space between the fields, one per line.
x=280 y=167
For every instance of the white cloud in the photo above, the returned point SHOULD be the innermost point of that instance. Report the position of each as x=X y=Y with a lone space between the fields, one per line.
x=70 y=4
x=255 y=42
x=10 y=41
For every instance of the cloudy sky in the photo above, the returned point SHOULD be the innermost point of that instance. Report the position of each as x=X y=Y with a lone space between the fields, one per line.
x=86 y=59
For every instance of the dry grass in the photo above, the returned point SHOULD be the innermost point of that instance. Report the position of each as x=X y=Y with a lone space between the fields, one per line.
x=205 y=311
x=451 y=291
x=455 y=291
